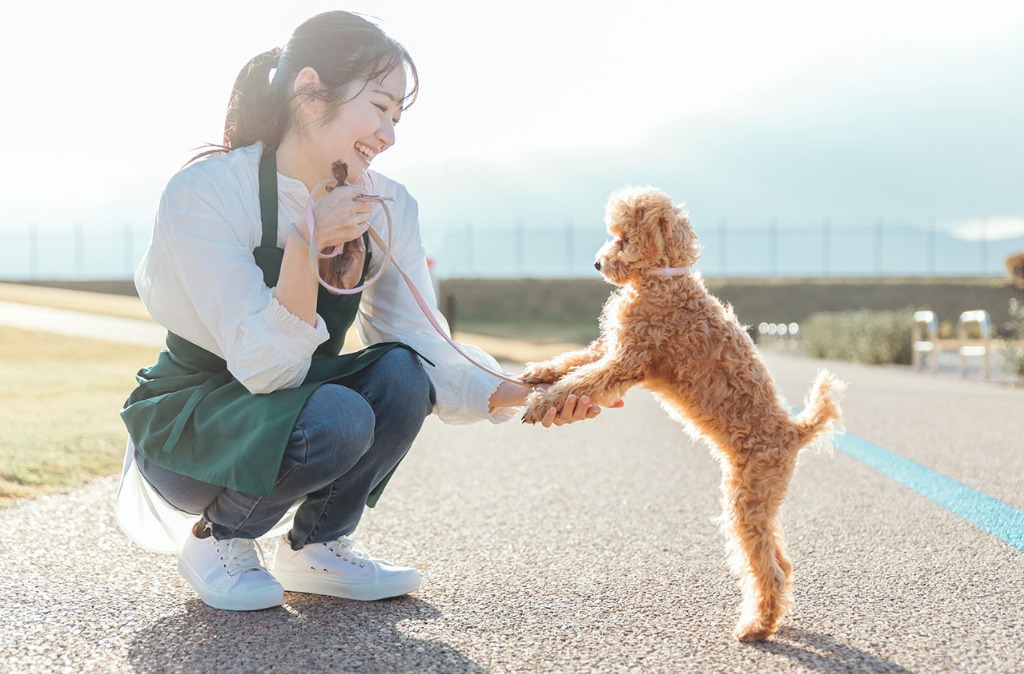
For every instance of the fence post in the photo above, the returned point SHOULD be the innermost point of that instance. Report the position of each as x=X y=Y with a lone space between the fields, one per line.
x=127 y=243
x=33 y=250
x=724 y=244
x=517 y=235
x=569 y=247
x=984 y=246
x=826 y=248
x=931 y=247
x=878 y=246
x=79 y=250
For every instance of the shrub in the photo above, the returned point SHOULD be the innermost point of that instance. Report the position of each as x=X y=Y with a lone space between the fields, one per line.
x=1015 y=269
x=872 y=337
x=1013 y=350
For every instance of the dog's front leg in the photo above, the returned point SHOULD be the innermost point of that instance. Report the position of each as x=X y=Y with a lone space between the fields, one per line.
x=550 y=371
x=604 y=382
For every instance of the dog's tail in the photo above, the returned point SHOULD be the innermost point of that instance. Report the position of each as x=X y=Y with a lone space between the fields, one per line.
x=821 y=416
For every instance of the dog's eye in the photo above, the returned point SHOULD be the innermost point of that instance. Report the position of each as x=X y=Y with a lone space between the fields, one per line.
x=623 y=242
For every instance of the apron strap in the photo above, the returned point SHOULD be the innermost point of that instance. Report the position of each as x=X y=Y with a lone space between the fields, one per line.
x=268 y=197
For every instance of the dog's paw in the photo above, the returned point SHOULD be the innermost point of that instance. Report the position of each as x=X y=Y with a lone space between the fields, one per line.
x=538 y=404
x=753 y=630
x=540 y=373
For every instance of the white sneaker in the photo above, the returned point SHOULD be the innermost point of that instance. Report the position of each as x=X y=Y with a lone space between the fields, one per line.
x=228 y=575
x=338 y=569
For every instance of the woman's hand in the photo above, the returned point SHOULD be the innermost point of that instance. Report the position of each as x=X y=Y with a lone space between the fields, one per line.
x=575 y=408
x=338 y=217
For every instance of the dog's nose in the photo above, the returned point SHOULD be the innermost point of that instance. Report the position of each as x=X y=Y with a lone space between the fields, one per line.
x=597 y=265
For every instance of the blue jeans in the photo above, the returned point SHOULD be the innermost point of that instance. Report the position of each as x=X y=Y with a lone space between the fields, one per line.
x=347 y=438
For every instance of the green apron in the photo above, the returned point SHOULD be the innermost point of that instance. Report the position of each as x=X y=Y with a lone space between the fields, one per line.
x=191 y=416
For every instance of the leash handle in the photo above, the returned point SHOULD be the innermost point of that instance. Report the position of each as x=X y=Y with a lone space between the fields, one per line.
x=314 y=249
x=314 y=255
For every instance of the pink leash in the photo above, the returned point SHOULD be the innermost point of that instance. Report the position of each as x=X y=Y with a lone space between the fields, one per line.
x=669 y=271
x=315 y=254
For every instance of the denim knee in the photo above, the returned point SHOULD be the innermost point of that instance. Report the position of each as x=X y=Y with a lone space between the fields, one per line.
x=333 y=431
x=405 y=377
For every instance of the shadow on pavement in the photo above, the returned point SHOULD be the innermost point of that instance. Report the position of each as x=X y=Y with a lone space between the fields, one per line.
x=821 y=653
x=309 y=634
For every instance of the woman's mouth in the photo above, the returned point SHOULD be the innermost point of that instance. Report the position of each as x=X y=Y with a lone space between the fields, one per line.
x=366 y=152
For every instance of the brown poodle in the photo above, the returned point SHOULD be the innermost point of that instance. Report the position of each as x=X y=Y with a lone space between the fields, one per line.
x=662 y=329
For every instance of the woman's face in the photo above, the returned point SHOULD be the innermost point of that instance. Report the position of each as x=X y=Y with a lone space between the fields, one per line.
x=362 y=128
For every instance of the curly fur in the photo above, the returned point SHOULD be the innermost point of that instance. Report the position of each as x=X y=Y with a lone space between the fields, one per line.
x=671 y=336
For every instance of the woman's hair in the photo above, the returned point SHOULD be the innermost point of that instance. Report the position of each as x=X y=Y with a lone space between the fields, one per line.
x=341 y=47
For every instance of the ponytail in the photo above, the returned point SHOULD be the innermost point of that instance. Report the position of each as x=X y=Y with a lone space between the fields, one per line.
x=251 y=115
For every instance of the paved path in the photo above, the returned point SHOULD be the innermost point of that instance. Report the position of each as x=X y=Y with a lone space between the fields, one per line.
x=590 y=548
x=124 y=330
x=80 y=324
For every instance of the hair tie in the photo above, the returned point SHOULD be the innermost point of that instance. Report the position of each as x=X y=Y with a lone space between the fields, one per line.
x=275 y=60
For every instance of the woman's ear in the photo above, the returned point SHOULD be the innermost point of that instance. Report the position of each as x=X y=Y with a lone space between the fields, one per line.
x=305 y=88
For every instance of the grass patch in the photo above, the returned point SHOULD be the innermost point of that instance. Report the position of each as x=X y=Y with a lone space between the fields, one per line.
x=59 y=409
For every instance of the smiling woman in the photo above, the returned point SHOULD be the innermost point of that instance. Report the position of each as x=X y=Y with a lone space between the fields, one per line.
x=252 y=420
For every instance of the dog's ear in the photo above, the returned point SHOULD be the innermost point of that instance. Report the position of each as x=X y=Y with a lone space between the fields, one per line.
x=681 y=245
x=659 y=225
x=649 y=233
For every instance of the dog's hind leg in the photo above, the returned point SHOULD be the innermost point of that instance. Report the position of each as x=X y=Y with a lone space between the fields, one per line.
x=754 y=485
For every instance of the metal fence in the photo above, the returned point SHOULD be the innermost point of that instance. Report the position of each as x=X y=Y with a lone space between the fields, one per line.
x=740 y=251
x=565 y=250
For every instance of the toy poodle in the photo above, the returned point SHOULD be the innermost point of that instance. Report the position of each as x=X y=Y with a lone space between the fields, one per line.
x=662 y=329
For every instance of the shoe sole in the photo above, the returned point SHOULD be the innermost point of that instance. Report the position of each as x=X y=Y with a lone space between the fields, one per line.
x=255 y=599
x=395 y=586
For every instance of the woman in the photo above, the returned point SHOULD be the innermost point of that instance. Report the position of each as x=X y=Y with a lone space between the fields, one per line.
x=250 y=419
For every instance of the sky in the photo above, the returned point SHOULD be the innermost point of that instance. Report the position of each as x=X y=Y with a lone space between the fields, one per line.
x=750 y=112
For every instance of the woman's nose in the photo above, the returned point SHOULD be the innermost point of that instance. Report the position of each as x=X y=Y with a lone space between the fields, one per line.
x=386 y=135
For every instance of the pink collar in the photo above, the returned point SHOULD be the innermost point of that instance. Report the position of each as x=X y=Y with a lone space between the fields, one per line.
x=669 y=271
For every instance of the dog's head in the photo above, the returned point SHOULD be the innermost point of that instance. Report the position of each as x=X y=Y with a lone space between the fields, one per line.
x=648 y=232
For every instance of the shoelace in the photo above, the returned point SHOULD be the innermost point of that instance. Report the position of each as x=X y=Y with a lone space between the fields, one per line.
x=239 y=555
x=346 y=548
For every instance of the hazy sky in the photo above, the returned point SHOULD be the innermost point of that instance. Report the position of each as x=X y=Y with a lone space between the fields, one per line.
x=748 y=111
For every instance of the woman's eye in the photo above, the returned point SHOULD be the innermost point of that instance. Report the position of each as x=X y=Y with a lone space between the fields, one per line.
x=382 y=108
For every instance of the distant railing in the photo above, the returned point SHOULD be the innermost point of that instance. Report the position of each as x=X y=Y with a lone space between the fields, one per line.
x=566 y=250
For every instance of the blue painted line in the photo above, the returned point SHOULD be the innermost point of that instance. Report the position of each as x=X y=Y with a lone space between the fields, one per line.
x=988 y=514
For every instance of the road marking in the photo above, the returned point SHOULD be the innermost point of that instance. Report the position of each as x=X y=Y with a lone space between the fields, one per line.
x=992 y=515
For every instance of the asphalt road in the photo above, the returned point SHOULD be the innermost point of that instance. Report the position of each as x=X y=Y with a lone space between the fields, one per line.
x=589 y=548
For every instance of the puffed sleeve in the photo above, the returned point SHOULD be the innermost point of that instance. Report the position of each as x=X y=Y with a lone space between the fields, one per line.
x=199 y=280
x=389 y=312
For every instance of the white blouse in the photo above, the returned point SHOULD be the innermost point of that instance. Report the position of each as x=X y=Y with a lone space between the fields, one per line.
x=199 y=280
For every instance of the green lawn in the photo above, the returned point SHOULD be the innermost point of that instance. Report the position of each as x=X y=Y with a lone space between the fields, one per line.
x=59 y=404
